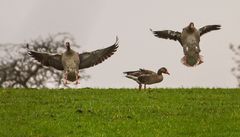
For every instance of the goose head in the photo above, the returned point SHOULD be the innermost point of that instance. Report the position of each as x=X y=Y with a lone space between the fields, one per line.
x=163 y=70
x=67 y=44
x=190 y=27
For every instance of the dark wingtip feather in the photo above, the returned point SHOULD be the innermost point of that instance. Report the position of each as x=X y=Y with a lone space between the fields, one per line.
x=114 y=47
x=154 y=33
x=127 y=72
x=27 y=45
x=116 y=39
x=117 y=42
x=218 y=27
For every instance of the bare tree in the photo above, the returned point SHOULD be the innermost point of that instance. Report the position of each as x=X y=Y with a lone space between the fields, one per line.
x=236 y=69
x=19 y=70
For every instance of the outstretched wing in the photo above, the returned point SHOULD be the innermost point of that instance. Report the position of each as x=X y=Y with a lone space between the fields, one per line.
x=168 y=34
x=208 y=28
x=53 y=60
x=89 y=59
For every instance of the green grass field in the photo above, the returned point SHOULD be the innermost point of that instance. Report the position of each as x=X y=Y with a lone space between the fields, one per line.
x=120 y=113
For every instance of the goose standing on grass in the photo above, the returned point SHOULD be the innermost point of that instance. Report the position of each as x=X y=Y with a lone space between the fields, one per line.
x=71 y=61
x=146 y=77
x=189 y=39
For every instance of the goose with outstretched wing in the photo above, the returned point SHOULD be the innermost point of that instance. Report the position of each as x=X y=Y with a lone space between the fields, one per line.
x=71 y=61
x=189 y=38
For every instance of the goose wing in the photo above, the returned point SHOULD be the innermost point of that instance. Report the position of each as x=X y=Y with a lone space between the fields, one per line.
x=46 y=59
x=168 y=34
x=208 y=28
x=89 y=59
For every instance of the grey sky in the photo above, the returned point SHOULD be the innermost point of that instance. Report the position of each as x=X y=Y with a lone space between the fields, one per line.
x=95 y=23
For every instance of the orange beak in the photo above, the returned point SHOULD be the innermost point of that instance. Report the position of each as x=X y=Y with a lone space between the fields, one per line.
x=167 y=73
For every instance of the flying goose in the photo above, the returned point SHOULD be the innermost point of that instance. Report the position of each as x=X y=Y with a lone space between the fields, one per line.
x=146 y=77
x=71 y=61
x=189 y=39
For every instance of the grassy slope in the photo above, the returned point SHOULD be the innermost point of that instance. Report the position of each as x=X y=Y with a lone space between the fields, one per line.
x=120 y=112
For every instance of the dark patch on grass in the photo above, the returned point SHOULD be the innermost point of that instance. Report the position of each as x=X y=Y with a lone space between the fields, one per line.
x=79 y=110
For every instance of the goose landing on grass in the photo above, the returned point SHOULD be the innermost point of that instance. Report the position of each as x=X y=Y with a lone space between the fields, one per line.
x=189 y=39
x=71 y=61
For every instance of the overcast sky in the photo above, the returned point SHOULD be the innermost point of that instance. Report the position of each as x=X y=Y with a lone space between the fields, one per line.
x=96 y=23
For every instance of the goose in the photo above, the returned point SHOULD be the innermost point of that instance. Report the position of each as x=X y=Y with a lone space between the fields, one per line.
x=146 y=77
x=189 y=38
x=70 y=62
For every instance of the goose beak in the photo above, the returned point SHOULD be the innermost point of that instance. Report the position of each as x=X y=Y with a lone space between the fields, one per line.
x=167 y=73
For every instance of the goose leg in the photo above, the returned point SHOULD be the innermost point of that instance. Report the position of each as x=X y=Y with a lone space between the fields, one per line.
x=140 y=86
x=144 y=86
x=77 y=78
x=200 y=62
x=65 y=77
